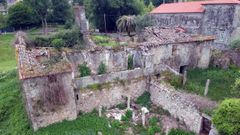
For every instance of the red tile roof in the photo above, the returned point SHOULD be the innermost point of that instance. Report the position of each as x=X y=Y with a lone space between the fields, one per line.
x=189 y=7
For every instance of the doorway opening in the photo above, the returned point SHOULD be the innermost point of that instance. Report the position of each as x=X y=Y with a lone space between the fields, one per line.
x=206 y=126
x=182 y=69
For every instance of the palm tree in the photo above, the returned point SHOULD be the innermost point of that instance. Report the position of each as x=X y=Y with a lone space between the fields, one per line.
x=127 y=24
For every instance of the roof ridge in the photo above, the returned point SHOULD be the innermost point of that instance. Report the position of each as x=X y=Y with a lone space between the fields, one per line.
x=189 y=7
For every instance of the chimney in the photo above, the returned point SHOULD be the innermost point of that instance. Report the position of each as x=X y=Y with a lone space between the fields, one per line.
x=80 y=18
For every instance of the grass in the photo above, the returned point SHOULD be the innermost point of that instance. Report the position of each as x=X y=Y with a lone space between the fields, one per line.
x=220 y=86
x=13 y=120
x=7 y=53
x=102 y=40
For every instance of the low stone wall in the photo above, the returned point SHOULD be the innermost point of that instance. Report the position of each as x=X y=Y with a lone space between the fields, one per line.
x=83 y=82
x=177 y=104
x=49 y=99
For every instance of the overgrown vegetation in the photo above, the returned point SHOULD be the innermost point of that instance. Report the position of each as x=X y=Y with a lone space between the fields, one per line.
x=180 y=132
x=68 y=38
x=84 y=70
x=130 y=62
x=127 y=116
x=227 y=116
x=144 y=100
x=102 y=68
x=224 y=83
x=221 y=86
x=103 y=40
x=153 y=127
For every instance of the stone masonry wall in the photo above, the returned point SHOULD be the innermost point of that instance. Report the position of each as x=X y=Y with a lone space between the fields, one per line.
x=193 y=55
x=192 y=22
x=114 y=60
x=177 y=104
x=49 y=99
x=219 y=20
x=108 y=90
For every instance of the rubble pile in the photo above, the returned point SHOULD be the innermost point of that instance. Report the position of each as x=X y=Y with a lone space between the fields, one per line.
x=162 y=35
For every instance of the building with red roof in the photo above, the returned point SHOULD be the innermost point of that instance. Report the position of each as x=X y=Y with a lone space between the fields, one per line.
x=211 y=17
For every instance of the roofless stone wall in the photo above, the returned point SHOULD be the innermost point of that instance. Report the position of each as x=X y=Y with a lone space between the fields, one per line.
x=177 y=104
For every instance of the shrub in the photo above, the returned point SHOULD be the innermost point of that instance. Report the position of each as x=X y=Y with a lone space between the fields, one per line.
x=227 y=117
x=236 y=88
x=128 y=116
x=84 y=70
x=180 y=132
x=144 y=100
x=68 y=24
x=235 y=44
x=152 y=130
x=153 y=121
x=71 y=37
x=102 y=68
x=42 y=42
x=57 y=43
x=143 y=21
x=121 y=106
x=130 y=62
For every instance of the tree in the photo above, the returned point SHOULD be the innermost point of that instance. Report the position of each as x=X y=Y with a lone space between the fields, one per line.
x=80 y=2
x=112 y=9
x=42 y=8
x=3 y=2
x=20 y=16
x=61 y=11
x=2 y=21
x=127 y=24
x=227 y=117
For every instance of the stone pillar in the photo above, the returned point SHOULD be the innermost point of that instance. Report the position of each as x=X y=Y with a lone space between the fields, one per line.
x=128 y=102
x=100 y=111
x=144 y=111
x=143 y=118
x=207 y=87
x=184 y=78
x=167 y=131
x=80 y=18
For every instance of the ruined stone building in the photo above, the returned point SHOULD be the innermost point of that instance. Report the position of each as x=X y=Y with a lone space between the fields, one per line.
x=54 y=91
x=220 y=18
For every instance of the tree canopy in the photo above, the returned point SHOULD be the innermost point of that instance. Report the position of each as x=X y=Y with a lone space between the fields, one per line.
x=20 y=16
x=99 y=11
x=227 y=116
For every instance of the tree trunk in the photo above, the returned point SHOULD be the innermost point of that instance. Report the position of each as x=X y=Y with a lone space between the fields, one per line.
x=46 y=27
x=131 y=37
x=43 y=25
